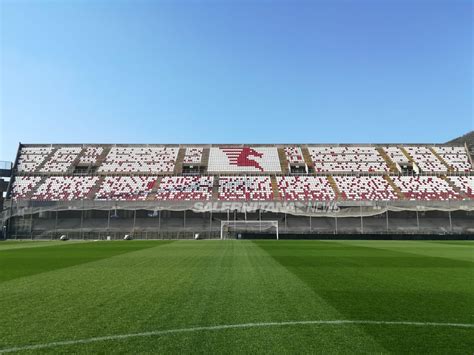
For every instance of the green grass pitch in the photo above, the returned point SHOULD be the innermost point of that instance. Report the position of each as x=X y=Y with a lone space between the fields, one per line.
x=62 y=296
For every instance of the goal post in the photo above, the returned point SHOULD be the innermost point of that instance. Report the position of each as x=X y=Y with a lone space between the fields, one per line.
x=230 y=229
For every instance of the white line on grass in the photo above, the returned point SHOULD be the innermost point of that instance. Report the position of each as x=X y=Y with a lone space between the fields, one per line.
x=228 y=326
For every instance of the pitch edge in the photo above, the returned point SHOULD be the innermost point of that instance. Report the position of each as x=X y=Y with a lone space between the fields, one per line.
x=228 y=326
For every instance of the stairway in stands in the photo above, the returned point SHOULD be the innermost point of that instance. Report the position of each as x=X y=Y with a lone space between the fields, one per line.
x=454 y=187
x=154 y=189
x=45 y=160
x=76 y=161
x=407 y=155
x=334 y=186
x=95 y=189
x=307 y=157
x=440 y=158
x=178 y=167
x=36 y=188
x=276 y=193
x=397 y=190
x=391 y=165
x=103 y=156
x=283 y=161
x=205 y=160
x=215 y=188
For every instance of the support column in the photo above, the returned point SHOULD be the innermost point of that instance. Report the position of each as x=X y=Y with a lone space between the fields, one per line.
x=82 y=221
x=450 y=222
x=159 y=222
x=31 y=226
x=134 y=221
x=210 y=224
x=417 y=221
x=56 y=224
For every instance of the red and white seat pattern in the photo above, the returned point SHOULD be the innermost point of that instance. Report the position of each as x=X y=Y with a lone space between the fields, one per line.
x=455 y=157
x=294 y=155
x=396 y=154
x=193 y=155
x=255 y=188
x=185 y=188
x=23 y=185
x=65 y=188
x=356 y=188
x=31 y=157
x=464 y=183
x=90 y=155
x=305 y=188
x=425 y=188
x=425 y=159
x=61 y=160
x=347 y=159
x=140 y=160
x=126 y=188
x=244 y=159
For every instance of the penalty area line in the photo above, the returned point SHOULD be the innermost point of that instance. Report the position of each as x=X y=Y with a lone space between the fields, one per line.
x=228 y=326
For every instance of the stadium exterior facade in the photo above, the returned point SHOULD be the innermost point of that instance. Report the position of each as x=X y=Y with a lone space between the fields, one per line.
x=153 y=191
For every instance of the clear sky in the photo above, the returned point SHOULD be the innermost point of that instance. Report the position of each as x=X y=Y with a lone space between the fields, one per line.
x=222 y=71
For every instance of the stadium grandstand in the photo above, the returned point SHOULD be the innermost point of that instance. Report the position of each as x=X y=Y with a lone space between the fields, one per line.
x=152 y=191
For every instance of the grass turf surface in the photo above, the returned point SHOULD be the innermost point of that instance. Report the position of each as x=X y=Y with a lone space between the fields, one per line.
x=52 y=291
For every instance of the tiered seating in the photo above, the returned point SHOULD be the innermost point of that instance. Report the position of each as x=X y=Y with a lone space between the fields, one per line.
x=139 y=160
x=347 y=159
x=187 y=188
x=425 y=188
x=425 y=159
x=365 y=188
x=256 y=188
x=31 y=157
x=61 y=160
x=125 y=188
x=90 y=155
x=193 y=155
x=396 y=155
x=294 y=155
x=65 y=188
x=244 y=159
x=456 y=157
x=464 y=183
x=305 y=188
x=23 y=185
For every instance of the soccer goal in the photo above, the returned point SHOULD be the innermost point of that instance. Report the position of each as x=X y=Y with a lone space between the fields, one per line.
x=235 y=229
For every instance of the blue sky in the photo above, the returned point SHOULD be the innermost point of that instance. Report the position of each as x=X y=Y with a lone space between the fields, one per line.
x=140 y=71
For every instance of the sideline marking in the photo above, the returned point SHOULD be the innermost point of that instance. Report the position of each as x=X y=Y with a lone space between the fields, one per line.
x=228 y=326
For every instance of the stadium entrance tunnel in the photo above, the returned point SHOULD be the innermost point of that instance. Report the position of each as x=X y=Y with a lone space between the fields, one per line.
x=114 y=224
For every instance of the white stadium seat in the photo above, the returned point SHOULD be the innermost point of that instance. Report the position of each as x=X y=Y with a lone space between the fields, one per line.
x=256 y=188
x=126 y=188
x=357 y=188
x=305 y=188
x=186 y=188
x=140 y=160
x=65 y=188
x=347 y=159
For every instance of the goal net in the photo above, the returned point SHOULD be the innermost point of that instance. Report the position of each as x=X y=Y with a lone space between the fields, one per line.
x=238 y=229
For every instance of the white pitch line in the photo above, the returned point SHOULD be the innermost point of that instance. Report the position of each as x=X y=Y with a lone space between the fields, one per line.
x=228 y=326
